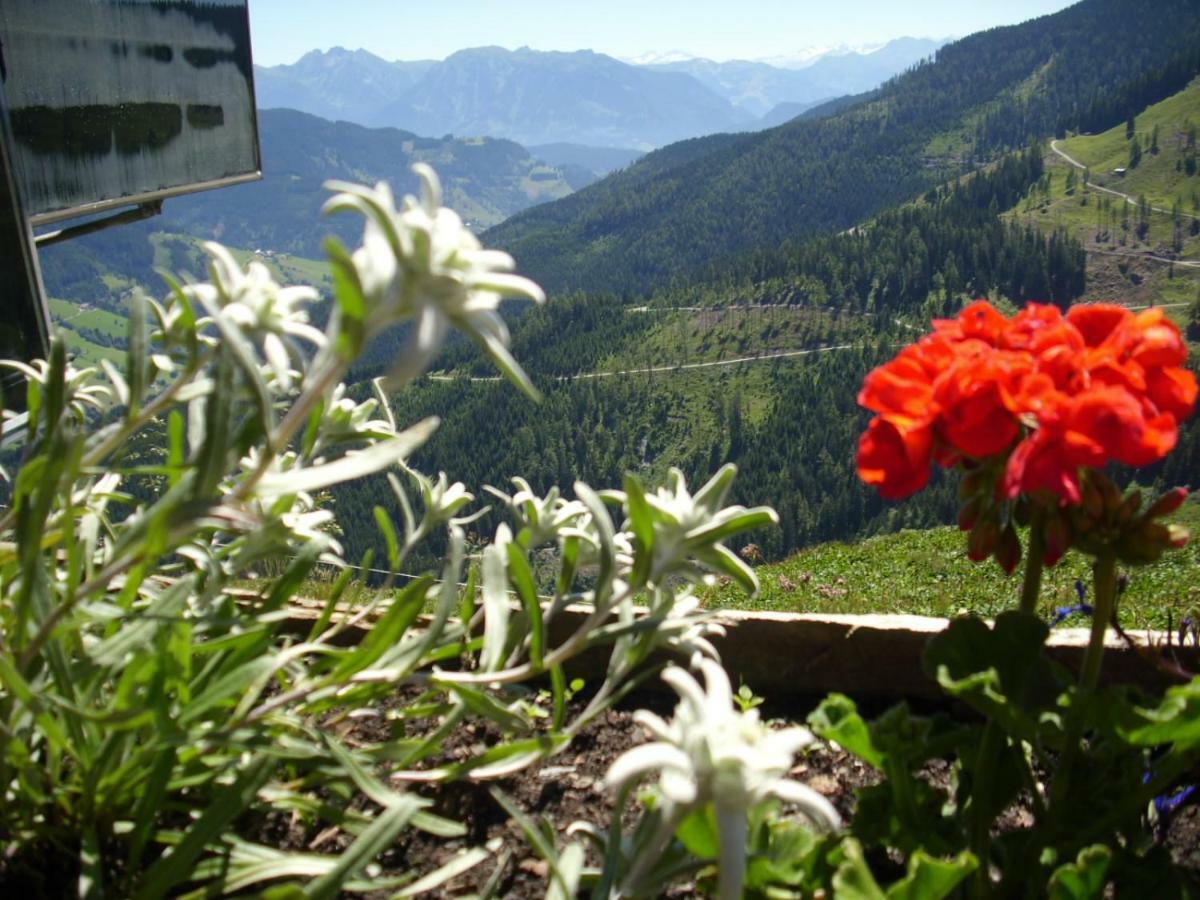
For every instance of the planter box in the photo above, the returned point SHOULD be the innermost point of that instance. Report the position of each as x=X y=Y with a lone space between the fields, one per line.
x=795 y=654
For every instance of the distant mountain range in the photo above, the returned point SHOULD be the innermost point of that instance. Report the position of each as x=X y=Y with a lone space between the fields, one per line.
x=582 y=98
x=760 y=88
x=698 y=204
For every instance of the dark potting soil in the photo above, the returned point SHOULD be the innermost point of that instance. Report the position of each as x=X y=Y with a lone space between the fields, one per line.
x=564 y=789
x=570 y=787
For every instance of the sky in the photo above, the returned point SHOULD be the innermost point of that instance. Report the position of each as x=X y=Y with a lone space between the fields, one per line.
x=284 y=30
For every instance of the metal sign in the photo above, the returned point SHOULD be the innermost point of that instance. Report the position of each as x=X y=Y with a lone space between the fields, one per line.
x=122 y=102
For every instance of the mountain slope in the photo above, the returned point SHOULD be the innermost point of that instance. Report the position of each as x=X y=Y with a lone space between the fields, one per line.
x=1084 y=67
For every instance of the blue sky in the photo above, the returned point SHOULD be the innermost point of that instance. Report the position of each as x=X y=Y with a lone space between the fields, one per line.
x=283 y=30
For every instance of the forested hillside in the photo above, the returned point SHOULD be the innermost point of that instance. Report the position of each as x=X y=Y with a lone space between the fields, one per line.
x=1085 y=68
x=809 y=320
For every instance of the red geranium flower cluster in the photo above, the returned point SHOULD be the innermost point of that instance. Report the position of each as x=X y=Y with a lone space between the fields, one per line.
x=1054 y=393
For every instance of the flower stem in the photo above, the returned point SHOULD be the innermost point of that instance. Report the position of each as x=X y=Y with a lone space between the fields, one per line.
x=1031 y=587
x=993 y=741
x=1104 y=586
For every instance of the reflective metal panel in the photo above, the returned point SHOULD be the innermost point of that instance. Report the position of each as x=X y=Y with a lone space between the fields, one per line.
x=114 y=102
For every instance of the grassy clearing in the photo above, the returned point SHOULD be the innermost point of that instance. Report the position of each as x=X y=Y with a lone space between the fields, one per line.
x=72 y=315
x=928 y=573
x=87 y=353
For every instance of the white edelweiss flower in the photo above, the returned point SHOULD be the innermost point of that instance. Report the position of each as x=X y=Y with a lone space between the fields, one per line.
x=345 y=419
x=304 y=519
x=712 y=752
x=685 y=626
x=688 y=529
x=81 y=389
x=442 y=499
x=420 y=263
x=543 y=519
x=265 y=311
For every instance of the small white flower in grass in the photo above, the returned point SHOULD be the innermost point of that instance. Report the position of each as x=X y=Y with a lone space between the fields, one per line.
x=421 y=264
x=712 y=752
x=261 y=308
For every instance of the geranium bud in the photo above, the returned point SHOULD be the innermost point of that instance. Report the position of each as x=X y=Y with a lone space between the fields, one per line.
x=1057 y=536
x=1008 y=550
x=968 y=513
x=1167 y=503
x=972 y=484
x=1108 y=492
x=1178 y=536
x=1129 y=506
x=1093 y=500
x=982 y=540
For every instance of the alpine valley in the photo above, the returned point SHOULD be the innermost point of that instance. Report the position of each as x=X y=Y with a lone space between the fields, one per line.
x=720 y=297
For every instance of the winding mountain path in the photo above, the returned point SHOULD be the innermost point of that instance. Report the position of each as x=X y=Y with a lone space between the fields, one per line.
x=1096 y=187
x=653 y=370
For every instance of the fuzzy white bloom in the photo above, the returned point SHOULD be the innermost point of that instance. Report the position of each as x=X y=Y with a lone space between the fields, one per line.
x=543 y=518
x=712 y=752
x=261 y=308
x=304 y=519
x=443 y=499
x=82 y=389
x=420 y=263
x=686 y=626
x=345 y=419
x=688 y=529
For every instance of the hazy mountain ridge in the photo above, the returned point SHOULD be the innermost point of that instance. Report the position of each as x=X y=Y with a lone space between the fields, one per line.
x=337 y=84
x=545 y=97
x=582 y=97
x=1085 y=67
x=760 y=88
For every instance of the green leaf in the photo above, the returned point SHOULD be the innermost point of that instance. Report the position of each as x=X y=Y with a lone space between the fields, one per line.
x=758 y=517
x=376 y=838
x=495 y=605
x=698 y=833
x=1002 y=671
x=1084 y=878
x=389 y=537
x=641 y=517
x=351 y=466
x=484 y=704
x=713 y=493
x=853 y=879
x=721 y=559
x=929 y=878
x=522 y=579
x=457 y=865
x=837 y=719
x=176 y=865
x=1176 y=720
